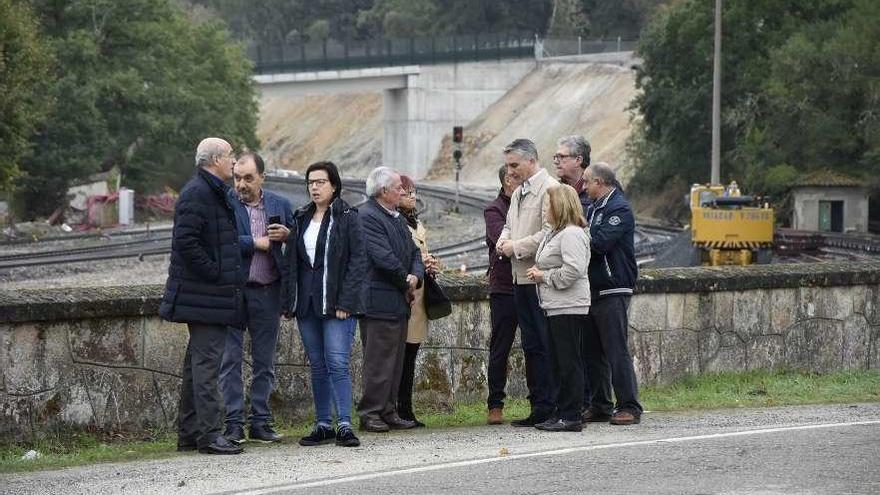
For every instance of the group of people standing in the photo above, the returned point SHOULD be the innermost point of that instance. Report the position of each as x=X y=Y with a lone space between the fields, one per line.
x=242 y=258
x=562 y=268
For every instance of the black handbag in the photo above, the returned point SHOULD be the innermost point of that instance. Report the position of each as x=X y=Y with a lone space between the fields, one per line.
x=437 y=305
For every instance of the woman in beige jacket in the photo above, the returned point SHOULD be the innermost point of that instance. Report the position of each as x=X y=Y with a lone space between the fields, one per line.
x=560 y=272
x=418 y=320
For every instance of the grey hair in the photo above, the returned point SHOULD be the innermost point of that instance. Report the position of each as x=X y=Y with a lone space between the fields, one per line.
x=525 y=148
x=577 y=146
x=603 y=172
x=502 y=174
x=209 y=150
x=380 y=178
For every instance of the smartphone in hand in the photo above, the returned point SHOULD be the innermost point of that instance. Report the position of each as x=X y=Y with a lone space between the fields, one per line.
x=274 y=219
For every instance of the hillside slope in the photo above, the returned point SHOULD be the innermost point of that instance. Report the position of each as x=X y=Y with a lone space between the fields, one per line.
x=554 y=100
x=344 y=128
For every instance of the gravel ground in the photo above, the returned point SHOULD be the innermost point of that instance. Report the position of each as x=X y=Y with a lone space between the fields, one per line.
x=497 y=459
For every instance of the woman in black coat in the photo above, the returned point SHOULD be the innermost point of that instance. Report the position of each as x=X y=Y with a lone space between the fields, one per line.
x=331 y=266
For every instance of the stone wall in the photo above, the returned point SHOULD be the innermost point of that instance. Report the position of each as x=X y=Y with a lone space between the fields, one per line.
x=101 y=358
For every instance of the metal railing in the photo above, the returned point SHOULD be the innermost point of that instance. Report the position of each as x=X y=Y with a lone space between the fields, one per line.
x=332 y=54
x=560 y=47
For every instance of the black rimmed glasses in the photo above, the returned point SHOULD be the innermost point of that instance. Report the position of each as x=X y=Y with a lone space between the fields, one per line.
x=558 y=157
x=317 y=182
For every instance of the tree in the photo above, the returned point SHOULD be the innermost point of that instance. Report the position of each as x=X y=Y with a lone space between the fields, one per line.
x=25 y=64
x=675 y=82
x=138 y=85
x=822 y=98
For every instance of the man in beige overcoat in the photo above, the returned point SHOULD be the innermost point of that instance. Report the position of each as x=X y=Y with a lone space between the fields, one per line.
x=525 y=228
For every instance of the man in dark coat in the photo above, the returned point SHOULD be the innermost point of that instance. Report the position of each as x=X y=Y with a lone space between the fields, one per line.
x=612 y=274
x=264 y=223
x=204 y=291
x=394 y=270
x=501 y=306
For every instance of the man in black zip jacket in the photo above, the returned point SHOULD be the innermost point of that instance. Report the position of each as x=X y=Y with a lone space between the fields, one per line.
x=612 y=275
x=204 y=290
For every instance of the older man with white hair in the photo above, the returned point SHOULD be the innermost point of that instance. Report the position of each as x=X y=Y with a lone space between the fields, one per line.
x=204 y=290
x=394 y=270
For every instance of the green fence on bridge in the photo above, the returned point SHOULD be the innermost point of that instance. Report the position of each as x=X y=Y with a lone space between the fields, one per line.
x=332 y=54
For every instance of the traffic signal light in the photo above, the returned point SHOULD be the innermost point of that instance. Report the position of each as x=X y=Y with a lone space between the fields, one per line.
x=457 y=133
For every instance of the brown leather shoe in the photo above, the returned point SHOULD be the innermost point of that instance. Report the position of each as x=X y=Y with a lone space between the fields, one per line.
x=591 y=416
x=625 y=418
x=495 y=416
x=375 y=425
x=395 y=422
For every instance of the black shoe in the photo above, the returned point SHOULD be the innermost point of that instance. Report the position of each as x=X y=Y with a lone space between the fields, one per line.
x=221 y=446
x=264 y=433
x=186 y=445
x=395 y=422
x=345 y=437
x=530 y=420
x=320 y=435
x=374 y=425
x=235 y=434
x=560 y=425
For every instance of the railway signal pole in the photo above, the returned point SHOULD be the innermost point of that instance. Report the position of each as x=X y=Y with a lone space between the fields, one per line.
x=716 y=100
x=457 y=135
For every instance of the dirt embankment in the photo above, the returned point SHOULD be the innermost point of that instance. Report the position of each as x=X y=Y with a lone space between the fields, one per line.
x=344 y=128
x=555 y=100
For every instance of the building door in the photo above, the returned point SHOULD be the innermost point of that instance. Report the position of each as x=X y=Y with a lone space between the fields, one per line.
x=831 y=216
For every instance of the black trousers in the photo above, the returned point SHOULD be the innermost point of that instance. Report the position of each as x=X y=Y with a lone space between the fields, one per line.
x=407 y=380
x=384 y=346
x=503 y=314
x=607 y=359
x=568 y=369
x=199 y=412
x=536 y=348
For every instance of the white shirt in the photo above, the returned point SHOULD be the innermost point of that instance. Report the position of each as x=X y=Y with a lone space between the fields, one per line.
x=310 y=239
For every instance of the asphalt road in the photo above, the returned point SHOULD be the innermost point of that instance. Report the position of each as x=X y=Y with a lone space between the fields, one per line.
x=802 y=450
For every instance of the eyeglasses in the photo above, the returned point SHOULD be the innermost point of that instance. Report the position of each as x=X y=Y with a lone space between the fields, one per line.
x=317 y=182
x=410 y=194
x=559 y=157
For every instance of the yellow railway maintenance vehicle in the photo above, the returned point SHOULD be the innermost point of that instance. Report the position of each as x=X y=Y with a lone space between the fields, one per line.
x=728 y=228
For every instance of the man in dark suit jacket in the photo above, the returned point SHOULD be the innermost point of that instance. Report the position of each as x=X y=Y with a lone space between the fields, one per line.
x=394 y=270
x=264 y=223
x=204 y=291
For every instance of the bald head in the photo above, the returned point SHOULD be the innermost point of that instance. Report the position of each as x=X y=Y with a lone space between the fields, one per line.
x=599 y=178
x=215 y=156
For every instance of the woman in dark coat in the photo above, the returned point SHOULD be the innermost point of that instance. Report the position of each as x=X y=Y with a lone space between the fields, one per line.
x=331 y=266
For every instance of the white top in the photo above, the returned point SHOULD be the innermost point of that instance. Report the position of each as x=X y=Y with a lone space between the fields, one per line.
x=310 y=239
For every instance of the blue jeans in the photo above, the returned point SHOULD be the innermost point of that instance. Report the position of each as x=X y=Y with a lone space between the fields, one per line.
x=328 y=346
x=263 y=313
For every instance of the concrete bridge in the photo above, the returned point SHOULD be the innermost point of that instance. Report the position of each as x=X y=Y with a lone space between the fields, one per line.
x=421 y=102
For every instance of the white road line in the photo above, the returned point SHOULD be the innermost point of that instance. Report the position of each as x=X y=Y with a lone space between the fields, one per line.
x=513 y=457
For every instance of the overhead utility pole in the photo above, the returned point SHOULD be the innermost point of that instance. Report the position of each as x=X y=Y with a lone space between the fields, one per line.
x=716 y=100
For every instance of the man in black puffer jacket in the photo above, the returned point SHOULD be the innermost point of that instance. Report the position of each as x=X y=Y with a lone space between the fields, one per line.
x=204 y=291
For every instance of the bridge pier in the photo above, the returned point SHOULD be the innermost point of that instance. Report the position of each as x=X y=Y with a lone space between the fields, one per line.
x=421 y=103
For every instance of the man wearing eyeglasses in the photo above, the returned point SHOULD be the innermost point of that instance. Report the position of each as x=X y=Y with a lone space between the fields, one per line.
x=264 y=222
x=571 y=159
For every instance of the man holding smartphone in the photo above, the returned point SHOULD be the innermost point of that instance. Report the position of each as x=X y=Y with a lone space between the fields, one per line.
x=264 y=221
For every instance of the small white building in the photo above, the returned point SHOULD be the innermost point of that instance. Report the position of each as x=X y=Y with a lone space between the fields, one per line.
x=827 y=201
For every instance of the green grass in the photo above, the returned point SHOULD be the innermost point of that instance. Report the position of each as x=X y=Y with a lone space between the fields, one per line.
x=709 y=391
